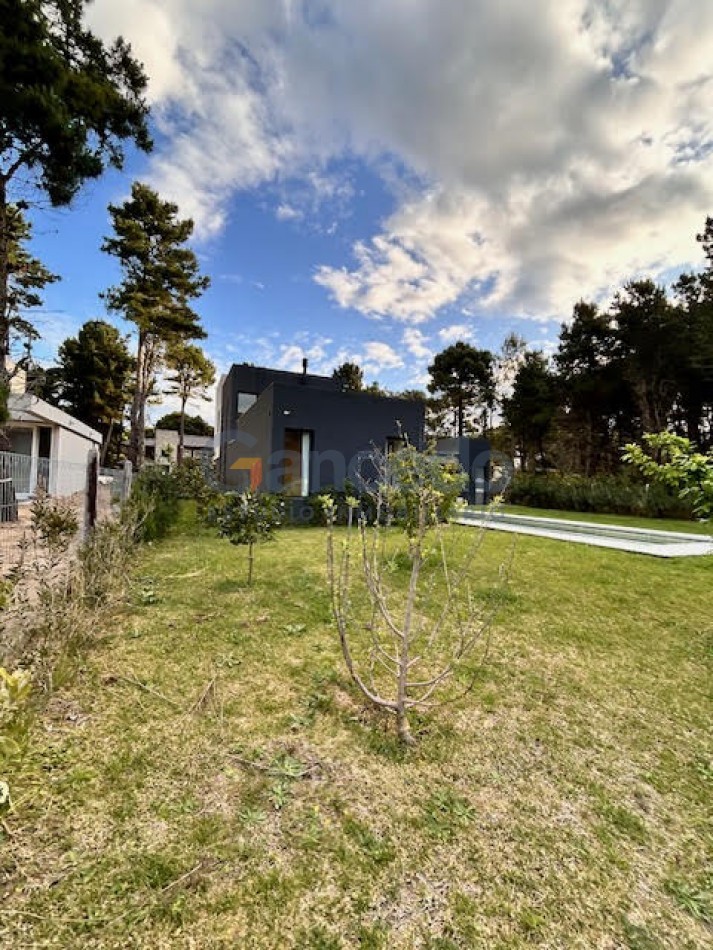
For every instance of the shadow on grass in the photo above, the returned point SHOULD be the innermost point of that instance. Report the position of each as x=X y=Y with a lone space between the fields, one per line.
x=231 y=585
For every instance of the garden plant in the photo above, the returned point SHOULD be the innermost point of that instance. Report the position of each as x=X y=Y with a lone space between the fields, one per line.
x=402 y=600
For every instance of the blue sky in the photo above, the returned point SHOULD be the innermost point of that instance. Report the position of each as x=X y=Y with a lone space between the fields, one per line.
x=373 y=181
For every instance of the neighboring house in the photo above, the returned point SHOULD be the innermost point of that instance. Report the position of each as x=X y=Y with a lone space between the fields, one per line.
x=163 y=447
x=44 y=447
x=298 y=433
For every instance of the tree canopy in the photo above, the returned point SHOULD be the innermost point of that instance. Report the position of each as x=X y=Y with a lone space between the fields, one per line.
x=26 y=277
x=68 y=103
x=531 y=409
x=643 y=365
x=94 y=377
x=191 y=375
x=349 y=376
x=462 y=377
x=161 y=277
x=193 y=425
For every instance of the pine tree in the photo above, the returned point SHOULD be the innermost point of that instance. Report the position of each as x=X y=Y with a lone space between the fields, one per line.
x=350 y=377
x=462 y=377
x=531 y=408
x=26 y=277
x=67 y=105
x=161 y=277
x=95 y=370
x=192 y=374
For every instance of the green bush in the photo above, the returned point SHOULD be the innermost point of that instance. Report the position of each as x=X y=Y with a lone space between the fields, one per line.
x=155 y=494
x=406 y=474
x=602 y=494
x=675 y=463
x=55 y=521
x=248 y=518
x=195 y=480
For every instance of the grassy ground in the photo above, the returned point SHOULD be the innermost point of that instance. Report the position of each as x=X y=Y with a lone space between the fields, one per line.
x=209 y=779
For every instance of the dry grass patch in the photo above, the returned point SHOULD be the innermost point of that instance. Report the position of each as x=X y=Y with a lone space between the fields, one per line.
x=564 y=803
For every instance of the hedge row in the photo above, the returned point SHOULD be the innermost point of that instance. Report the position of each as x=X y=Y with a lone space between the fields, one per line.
x=602 y=494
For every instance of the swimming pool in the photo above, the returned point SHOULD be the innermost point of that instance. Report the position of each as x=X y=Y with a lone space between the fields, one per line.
x=637 y=540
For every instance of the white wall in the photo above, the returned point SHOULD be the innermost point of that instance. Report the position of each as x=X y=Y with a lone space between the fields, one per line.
x=70 y=452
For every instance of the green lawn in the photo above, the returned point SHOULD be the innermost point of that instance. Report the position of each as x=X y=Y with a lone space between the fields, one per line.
x=208 y=777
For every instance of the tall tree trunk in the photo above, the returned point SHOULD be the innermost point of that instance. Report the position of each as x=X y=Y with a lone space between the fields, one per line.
x=251 y=561
x=137 y=438
x=181 y=430
x=693 y=423
x=4 y=315
x=107 y=442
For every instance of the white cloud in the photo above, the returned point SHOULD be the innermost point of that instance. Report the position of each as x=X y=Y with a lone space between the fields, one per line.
x=324 y=354
x=547 y=155
x=291 y=357
x=285 y=212
x=454 y=332
x=417 y=344
x=379 y=357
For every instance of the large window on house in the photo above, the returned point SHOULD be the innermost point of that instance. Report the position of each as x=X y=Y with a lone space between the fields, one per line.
x=245 y=401
x=295 y=477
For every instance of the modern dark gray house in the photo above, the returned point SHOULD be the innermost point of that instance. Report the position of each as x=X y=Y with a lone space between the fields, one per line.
x=298 y=433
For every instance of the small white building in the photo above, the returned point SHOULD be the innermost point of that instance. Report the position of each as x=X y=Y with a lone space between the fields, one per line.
x=163 y=447
x=44 y=447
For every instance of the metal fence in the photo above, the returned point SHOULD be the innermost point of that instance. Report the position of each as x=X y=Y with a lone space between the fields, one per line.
x=23 y=477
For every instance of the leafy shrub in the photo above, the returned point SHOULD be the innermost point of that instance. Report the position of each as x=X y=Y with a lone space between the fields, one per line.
x=56 y=599
x=673 y=463
x=55 y=522
x=603 y=494
x=403 y=476
x=248 y=518
x=339 y=505
x=155 y=494
x=419 y=482
x=157 y=491
x=14 y=692
x=195 y=480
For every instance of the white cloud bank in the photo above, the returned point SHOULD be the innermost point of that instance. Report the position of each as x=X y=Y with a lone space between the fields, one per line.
x=561 y=146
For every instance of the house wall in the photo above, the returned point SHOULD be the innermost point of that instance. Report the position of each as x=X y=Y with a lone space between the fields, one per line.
x=166 y=441
x=344 y=425
x=251 y=440
x=252 y=379
x=64 y=473
x=69 y=471
x=218 y=426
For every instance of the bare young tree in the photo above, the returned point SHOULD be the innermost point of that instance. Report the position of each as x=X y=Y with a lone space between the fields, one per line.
x=402 y=587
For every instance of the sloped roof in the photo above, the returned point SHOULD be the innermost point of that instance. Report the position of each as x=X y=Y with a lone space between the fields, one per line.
x=30 y=409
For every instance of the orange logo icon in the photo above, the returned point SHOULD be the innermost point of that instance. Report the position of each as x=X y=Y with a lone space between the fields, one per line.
x=252 y=465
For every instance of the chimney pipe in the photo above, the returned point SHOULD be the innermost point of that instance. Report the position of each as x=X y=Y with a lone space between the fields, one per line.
x=304 y=369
